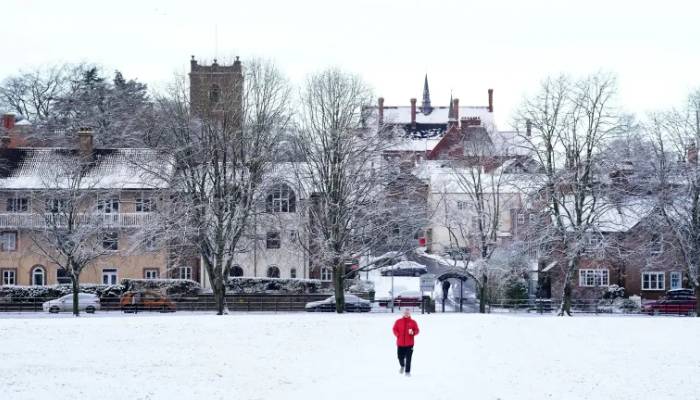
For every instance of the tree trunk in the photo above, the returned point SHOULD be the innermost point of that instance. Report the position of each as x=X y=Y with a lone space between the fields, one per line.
x=697 y=300
x=566 y=298
x=338 y=285
x=219 y=290
x=75 y=280
x=482 y=294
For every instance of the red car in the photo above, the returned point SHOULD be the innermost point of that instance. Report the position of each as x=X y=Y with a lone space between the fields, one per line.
x=678 y=301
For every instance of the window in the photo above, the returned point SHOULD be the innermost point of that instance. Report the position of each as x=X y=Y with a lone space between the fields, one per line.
x=108 y=206
x=62 y=276
x=151 y=273
x=273 y=240
x=150 y=243
x=273 y=272
x=9 y=276
x=461 y=205
x=17 y=204
x=109 y=276
x=593 y=277
x=657 y=245
x=236 y=271
x=293 y=273
x=653 y=281
x=521 y=219
x=214 y=93
x=57 y=206
x=326 y=274
x=110 y=241
x=184 y=273
x=594 y=242
x=38 y=276
x=145 y=204
x=475 y=223
x=676 y=279
x=8 y=241
x=280 y=199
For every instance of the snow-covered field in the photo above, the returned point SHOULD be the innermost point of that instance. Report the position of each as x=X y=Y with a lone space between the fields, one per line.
x=327 y=356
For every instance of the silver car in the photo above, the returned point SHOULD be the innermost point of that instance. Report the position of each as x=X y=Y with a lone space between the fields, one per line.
x=87 y=302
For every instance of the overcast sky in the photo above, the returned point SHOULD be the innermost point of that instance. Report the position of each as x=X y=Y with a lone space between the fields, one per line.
x=464 y=46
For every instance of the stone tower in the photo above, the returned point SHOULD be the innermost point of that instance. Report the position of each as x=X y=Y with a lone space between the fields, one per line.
x=216 y=90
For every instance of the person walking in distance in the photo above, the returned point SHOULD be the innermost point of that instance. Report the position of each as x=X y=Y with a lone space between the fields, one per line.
x=405 y=329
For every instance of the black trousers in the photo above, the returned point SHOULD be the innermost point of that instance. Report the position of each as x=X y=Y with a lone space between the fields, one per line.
x=405 y=354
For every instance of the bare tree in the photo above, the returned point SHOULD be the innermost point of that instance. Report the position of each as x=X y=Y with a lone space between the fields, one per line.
x=571 y=120
x=675 y=136
x=221 y=157
x=349 y=208
x=71 y=227
x=34 y=94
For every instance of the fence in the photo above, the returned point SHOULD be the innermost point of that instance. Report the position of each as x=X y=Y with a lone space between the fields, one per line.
x=286 y=303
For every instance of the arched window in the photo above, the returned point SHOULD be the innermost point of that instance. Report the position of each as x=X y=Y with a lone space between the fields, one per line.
x=214 y=93
x=293 y=273
x=273 y=272
x=326 y=274
x=38 y=276
x=236 y=271
x=281 y=199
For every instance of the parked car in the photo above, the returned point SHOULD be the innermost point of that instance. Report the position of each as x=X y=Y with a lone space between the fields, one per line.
x=352 y=304
x=87 y=302
x=147 y=301
x=405 y=268
x=678 y=301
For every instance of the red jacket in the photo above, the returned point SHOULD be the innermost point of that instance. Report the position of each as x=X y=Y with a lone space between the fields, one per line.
x=401 y=327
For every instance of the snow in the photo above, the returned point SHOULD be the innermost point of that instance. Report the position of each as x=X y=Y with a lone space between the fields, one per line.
x=382 y=284
x=326 y=356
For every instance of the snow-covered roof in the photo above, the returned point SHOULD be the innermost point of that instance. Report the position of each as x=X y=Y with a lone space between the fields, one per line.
x=54 y=168
x=445 y=178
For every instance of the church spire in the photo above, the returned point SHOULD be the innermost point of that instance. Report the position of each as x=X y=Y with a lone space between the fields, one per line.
x=425 y=106
x=451 y=112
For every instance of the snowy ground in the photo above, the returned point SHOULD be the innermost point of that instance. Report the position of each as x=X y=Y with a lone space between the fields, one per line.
x=327 y=356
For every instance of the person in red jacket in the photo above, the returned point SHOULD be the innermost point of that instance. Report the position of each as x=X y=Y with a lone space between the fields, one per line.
x=405 y=329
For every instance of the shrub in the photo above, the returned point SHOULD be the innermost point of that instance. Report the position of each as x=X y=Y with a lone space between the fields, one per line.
x=274 y=285
x=171 y=287
x=30 y=293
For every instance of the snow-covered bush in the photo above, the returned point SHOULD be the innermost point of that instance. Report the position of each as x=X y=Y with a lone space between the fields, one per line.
x=619 y=305
x=28 y=293
x=171 y=287
x=274 y=285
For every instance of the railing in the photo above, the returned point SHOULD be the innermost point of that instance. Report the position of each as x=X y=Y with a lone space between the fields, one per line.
x=287 y=303
x=39 y=221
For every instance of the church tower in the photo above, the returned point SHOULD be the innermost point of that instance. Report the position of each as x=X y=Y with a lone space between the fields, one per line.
x=216 y=90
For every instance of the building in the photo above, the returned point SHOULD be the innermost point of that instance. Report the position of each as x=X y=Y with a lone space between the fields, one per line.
x=119 y=197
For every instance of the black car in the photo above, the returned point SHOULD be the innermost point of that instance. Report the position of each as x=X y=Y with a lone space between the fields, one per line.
x=352 y=304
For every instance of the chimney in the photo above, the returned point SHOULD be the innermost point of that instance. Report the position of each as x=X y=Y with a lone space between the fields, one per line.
x=692 y=154
x=490 y=100
x=455 y=108
x=528 y=128
x=380 y=101
x=193 y=64
x=85 y=136
x=413 y=113
x=8 y=121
